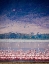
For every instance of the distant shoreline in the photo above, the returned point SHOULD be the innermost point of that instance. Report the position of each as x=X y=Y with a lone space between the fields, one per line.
x=22 y=40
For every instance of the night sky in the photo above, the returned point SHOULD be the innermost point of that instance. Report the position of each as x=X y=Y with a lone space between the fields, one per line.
x=24 y=16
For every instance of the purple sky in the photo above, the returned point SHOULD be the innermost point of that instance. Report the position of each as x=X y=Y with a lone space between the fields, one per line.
x=24 y=16
x=21 y=25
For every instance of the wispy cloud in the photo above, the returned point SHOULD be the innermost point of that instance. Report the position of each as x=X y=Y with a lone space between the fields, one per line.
x=25 y=24
x=23 y=28
x=37 y=19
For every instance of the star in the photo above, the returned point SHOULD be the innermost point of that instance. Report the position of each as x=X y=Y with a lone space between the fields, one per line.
x=14 y=10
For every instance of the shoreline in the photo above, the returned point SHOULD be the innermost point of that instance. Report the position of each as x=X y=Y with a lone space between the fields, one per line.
x=22 y=40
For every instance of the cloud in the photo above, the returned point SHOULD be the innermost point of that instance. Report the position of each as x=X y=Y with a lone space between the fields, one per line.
x=2 y=27
x=23 y=28
x=25 y=24
x=42 y=21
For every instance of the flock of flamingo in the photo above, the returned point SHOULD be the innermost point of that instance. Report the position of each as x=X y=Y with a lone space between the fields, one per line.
x=24 y=55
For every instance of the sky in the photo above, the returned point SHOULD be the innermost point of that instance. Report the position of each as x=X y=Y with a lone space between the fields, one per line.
x=24 y=16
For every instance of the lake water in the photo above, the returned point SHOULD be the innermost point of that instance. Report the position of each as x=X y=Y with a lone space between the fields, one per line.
x=16 y=44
